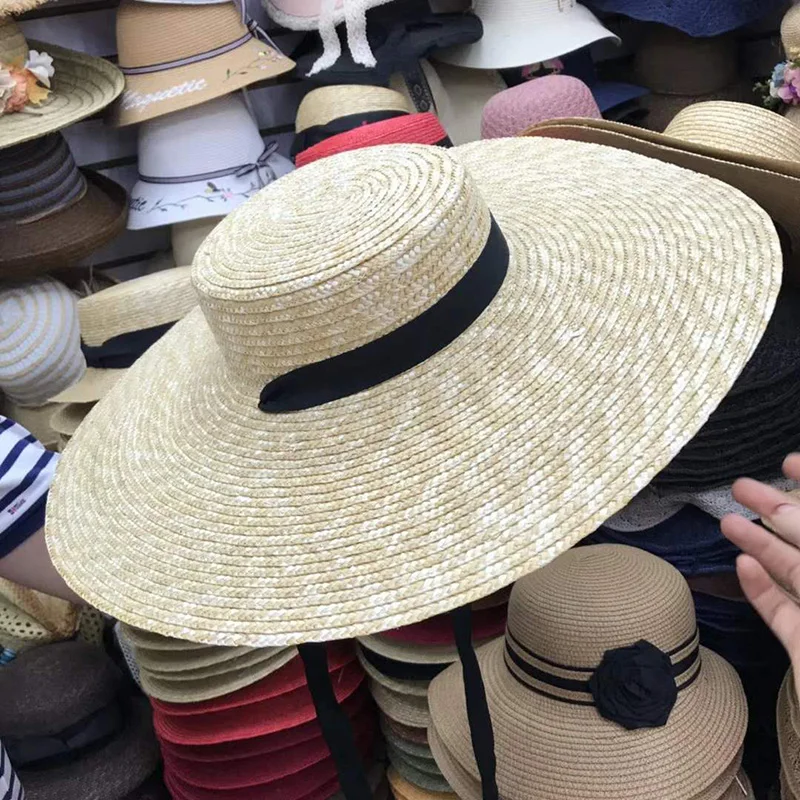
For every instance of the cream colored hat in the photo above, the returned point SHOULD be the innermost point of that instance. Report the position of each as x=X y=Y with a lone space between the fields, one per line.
x=790 y=29
x=321 y=106
x=66 y=419
x=80 y=85
x=188 y=236
x=119 y=323
x=40 y=347
x=600 y=688
x=375 y=506
x=751 y=148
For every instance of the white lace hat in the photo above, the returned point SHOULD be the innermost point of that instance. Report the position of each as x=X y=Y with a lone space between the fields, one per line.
x=200 y=162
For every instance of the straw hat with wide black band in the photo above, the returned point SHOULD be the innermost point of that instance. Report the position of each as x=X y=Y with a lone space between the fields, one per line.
x=749 y=147
x=254 y=456
x=600 y=688
x=79 y=86
x=51 y=213
x=120 y=323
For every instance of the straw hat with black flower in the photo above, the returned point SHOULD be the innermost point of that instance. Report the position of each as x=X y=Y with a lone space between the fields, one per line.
x=306 y=489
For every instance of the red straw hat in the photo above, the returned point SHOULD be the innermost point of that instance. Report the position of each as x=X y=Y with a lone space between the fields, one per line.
x=260 y=771
x=353 y=706
x=486 y=624
x=286 y=679
x=285 y=710
x=408 y=129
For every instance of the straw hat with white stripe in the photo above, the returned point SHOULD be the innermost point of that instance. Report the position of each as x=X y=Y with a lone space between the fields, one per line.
x=600 y=688
x=249 y=460
x=118 y=324
x=751 y=148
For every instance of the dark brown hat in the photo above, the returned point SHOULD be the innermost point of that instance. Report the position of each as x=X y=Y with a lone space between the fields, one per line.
x=51 y=213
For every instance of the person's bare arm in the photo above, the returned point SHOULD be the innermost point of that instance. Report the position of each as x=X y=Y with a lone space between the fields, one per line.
x=30 y=565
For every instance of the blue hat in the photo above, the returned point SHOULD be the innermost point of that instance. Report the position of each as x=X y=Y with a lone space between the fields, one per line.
x=709 y=18
x=607 y=94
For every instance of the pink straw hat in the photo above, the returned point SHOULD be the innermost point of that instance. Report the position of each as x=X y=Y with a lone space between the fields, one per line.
x=514 y=110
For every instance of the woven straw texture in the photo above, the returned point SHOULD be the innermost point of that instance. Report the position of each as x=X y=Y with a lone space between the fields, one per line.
x=29 y=618
x=405 y=790
x=510 y=112
x=366 y=514
x=418 y=688
x=323 y=105
x=790 y=29
x=588 y=601
x=36 y=420
x=67 y=418
x=407 y=709
x=16 y=7
x=788 y=716
x=81 y=86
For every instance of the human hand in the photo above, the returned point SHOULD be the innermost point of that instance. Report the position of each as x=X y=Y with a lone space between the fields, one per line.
x=769 y=569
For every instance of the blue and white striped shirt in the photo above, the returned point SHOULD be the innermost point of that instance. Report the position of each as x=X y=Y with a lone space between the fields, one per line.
x=26 y=472
x=10 y=787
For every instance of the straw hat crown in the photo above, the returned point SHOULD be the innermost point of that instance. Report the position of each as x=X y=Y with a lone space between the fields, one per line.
x=790 y=29
x=384 y=262
x=594 y=599
x=327 y=103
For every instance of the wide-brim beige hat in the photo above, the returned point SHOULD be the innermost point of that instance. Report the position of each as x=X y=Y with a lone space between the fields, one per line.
x=81 y=86
x=140 y=304
x=751 y=148
x=440 y=485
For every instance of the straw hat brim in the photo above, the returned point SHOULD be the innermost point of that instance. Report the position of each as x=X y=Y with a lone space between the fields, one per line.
x=418 y=688
x=410 y=653
x=211 y=77
x=542 y=743
x=788 y=738
x=66 y=420
x=408 y=746
x=238 y=661
x=418 y=777
x=403 y=708
x=166 y=662
x=61 y=240
x=37 y=420
x=407 y=732
x=154 y=641
x=323 y=105
x=216 y=502
x=405 y=790
x=192 y=690
x=14 y=8
x=95 y=384
x=81 y=86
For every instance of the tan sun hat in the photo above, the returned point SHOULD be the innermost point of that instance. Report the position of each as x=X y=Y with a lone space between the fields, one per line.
x=80 y=85
x=176 y=55
x=214 y=497
x=118 y=324
x=580 y=631
x=751 y=148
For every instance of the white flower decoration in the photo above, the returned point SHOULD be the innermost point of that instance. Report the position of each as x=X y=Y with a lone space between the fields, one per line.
x=41 y=65
x=7 y=86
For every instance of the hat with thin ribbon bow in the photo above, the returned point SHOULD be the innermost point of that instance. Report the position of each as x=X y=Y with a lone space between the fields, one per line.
x=200 y=162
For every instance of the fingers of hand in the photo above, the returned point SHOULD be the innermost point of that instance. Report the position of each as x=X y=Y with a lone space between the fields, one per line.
x=778 y=510
x=791 y=467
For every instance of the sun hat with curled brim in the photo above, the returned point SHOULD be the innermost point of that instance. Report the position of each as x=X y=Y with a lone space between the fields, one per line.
x=121 y=322
x=599 y=688
x=239 y=473
x=75 y=86
x=52 y=214
x=176 y=55
x=749 y=147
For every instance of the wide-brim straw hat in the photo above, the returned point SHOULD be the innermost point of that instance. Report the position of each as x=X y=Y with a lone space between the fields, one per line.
x=405 y=790
x=221 y=479
x=418 y=687
x=81 y=86
x=67 y=418
x=788 y=719
x=521 y=32
x=37 y=420
x=746 y=146
x=553 y=736
x=418 y=771
x=407 y=709
x=137 y=305
x=216 y=53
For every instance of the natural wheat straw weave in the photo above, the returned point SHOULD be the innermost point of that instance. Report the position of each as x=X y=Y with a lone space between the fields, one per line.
x=629 y=308
x=81 y=86
x=327 y=103
x=407 y=709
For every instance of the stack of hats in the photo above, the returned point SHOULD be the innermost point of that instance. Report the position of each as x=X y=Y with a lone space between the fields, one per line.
x=401 y=664
x=600 y=688
x=70 y=730
x=117 y=325
x=789 y=738
x=250 y=732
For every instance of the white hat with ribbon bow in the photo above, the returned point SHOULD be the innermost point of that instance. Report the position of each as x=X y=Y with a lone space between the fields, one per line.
x=203 y=161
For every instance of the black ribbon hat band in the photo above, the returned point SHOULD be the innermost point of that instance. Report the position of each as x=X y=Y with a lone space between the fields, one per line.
x=121 y=351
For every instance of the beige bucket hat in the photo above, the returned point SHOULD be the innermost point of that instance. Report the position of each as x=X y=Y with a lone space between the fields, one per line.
x=176 y=55
x=80 y=86
x=751 y=148
x=580 y=631
x=119 y=323
x=262 y=512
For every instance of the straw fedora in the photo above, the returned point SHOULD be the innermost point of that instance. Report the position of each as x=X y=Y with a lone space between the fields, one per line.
x=51 y=213
x=628 y=619
x=120 y=323
x=409 y=129
x=407 y=240
x=521 y=32
x=751 y=148
x=405 y=790
x=79 y=86
x=514 y=110
x=329 y=110
x=215 y=54
x=40 y=350
x=185 y=175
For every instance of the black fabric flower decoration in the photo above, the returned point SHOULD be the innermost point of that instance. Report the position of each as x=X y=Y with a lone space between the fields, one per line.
x=634 y=686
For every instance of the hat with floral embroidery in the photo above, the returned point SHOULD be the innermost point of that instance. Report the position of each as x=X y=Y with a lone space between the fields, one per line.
x=44 y=88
